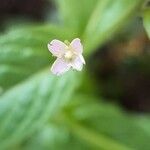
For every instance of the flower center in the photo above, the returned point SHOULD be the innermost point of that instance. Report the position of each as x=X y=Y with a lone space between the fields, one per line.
x=69 y=55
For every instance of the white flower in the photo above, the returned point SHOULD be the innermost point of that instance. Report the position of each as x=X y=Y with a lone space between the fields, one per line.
x=69 y=55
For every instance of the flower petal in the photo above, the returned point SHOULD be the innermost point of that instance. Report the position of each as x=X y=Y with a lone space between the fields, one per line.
x=60 y=66
x=77 y=64
x=82 y=59
x=77 y=46
x=57 y=48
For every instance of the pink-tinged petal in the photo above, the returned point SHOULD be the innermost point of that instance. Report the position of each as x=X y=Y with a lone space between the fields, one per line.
x=57 y=48
x=77 y=46
x=60 y=66
x=82 y=59
x=77 y=64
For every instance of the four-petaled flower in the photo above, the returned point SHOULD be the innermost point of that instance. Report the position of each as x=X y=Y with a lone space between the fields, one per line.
x=69 y=55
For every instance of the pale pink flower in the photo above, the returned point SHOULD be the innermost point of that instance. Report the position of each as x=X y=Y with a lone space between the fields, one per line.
x=69 y=55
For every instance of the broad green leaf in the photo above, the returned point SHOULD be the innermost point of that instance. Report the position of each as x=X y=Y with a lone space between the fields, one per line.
x=90 y=124
x=30 y=94
x=146 y=20
x=24 y=51
x=96 y=21
x=27 y=106
x=107 y=18
x=105 y=122
x=55 y=137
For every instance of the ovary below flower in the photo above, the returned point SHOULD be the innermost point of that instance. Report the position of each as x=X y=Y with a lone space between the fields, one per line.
x=69 y=55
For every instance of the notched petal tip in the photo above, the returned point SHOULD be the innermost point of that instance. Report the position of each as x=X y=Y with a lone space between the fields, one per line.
x=56 y=47
x=49 y=46
x=77 y=64
x=82 y=59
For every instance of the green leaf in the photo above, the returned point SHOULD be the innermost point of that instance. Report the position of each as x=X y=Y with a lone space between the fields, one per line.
x=89 y=124
x=31 y=94
x=108 y=125
x=24 y=51
x=107 y=18
x=75 y=14
x=27 y=106
x=146 y=20
x=96 y=21
x=55 y=137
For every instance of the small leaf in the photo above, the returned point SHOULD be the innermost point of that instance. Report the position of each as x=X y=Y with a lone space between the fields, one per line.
x=146 y=20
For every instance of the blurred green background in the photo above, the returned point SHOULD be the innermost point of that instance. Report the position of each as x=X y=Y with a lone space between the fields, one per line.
x=104 y=107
